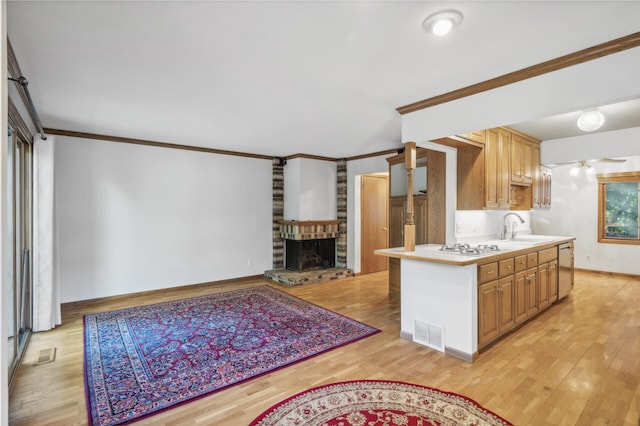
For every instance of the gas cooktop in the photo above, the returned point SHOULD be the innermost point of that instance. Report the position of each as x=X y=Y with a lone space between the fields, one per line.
x=468 y=250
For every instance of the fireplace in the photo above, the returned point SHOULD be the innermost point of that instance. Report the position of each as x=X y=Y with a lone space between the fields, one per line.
x=307 y=255
x=311 y=252
x=309 y=245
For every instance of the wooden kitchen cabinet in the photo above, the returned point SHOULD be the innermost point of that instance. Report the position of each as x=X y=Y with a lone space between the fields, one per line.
x=535 y=185
x=497 y=150
x=541 y=185
x=532 y=292
x=514 y=290
x=499 y=175
x=545 y=188
x=521 y=160
x=521 y=301
x=495 y=309
x=543 y=286
x=548 y=278
x=553 y=281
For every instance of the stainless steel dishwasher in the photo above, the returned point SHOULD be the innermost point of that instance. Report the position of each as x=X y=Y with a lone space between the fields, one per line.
x=565 y=269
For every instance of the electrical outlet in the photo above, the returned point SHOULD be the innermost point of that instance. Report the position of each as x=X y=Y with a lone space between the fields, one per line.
x=588 y=257
x=248 y=262
x=458 y=228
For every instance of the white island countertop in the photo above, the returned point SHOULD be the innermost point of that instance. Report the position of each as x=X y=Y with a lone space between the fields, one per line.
x=508 y=248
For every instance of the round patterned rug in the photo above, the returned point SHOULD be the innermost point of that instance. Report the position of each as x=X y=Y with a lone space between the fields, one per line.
x=377 y=402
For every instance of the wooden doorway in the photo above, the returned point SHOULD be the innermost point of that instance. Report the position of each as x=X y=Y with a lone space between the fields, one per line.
x=374 y=222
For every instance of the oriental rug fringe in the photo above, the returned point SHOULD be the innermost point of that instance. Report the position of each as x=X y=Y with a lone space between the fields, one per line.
x=377 y=402
x=143 y=360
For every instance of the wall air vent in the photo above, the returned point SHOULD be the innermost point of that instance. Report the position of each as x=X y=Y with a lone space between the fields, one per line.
x=429 y=334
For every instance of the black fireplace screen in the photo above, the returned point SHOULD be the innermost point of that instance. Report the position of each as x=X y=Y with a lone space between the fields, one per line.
x=306 y=255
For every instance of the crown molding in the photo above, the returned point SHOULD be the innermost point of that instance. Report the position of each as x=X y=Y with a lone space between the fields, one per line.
x=585 y=55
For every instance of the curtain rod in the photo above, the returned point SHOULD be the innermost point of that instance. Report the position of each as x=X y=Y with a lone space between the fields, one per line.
x=24 y=83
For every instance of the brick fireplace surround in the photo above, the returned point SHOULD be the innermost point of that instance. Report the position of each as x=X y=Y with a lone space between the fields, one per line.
x=308 y=230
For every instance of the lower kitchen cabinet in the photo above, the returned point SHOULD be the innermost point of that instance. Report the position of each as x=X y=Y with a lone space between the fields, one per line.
x=553 y=281
x=495 y=309
x=519 y=289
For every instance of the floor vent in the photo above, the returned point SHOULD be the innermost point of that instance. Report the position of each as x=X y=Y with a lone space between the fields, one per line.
x=46 y=356
x=429 y=334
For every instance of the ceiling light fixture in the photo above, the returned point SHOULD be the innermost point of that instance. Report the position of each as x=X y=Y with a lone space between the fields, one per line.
x=590 y=120
x=589 y=171
x=440 y=23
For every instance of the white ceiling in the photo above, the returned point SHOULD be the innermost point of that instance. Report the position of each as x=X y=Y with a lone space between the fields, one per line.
x=280 y=78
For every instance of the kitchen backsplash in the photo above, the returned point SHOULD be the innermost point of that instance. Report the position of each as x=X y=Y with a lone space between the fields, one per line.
x=475 y=226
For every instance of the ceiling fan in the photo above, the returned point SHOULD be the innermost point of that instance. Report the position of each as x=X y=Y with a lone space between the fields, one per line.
x=588 y=168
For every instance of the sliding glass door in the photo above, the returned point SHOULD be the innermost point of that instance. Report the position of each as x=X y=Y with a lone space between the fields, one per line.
x=19 y=243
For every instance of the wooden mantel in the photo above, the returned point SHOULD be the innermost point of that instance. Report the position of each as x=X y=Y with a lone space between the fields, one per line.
x=309 y=229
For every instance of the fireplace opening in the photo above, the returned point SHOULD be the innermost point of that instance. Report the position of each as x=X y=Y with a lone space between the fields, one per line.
x=307 y=255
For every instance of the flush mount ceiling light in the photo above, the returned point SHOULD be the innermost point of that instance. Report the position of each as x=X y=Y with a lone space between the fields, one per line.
x=440 y=23
x=590 y=120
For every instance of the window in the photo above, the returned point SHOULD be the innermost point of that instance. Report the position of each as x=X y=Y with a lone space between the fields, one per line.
x=618 y=208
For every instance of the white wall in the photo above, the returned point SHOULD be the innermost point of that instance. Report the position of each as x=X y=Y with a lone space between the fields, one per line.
x=309 y=189
x=135 y=218
x=574 y=212
x=613 y=144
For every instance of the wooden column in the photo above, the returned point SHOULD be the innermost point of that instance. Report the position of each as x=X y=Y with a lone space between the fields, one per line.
x=409 y=224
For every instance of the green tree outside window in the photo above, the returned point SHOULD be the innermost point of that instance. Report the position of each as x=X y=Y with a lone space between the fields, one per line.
x=618 y=208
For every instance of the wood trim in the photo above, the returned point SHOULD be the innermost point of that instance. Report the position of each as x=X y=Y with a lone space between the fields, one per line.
x=608 y=48
x=310 y=157
x=12 y=61
x=618 y=177
x=376 y=154
x=461 y=355
x=108 y=299
x=310 y=222
x=603 y=180
x=16 y=120
x=610 y=274
x=406 y=335
x=84 y=135
x=120 y=139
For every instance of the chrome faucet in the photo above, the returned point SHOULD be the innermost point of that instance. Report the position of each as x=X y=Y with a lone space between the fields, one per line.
x=504 y=228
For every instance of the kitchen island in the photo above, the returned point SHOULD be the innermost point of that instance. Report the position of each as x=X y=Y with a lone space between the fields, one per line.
x=459 y=303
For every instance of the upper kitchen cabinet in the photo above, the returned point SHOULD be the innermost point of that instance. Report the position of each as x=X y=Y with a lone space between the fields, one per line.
x=541 y=185
x=521 y=160
x=483 y=173
x=502 y=173
x=497 y=148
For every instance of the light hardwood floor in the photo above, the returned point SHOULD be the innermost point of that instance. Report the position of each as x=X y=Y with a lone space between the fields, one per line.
x=577 y=363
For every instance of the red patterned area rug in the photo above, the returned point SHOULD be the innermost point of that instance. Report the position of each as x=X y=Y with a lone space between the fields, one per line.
x=377 y=403
x=142 y=360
